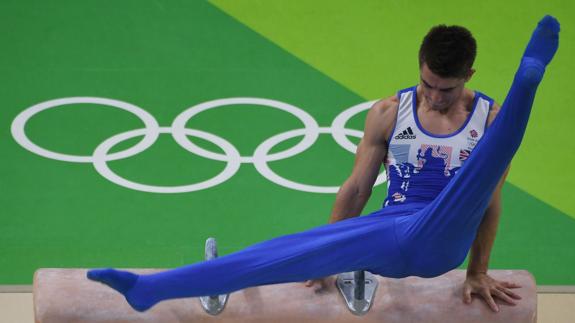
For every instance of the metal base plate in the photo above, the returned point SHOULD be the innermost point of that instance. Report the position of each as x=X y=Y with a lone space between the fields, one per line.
x=346 y=285
x=214 y=305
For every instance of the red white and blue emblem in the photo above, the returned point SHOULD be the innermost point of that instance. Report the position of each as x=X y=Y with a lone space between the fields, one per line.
x=437 y=151
x=398 y=197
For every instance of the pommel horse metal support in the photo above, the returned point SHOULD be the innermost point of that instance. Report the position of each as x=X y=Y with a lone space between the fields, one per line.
x=357 y=291
x=213 y=305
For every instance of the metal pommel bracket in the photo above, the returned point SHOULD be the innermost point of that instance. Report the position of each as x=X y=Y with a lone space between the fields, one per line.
x=213 y=305
x=358 y=289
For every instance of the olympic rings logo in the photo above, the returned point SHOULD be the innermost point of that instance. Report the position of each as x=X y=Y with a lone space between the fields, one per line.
x=260 y=158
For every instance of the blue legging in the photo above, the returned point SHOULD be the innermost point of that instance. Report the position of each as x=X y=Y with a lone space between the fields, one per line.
x=396 y=241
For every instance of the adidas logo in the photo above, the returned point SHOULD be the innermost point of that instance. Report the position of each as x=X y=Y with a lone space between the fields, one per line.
x=406 y=134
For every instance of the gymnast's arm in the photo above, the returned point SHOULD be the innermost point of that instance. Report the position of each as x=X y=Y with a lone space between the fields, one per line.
x=481 y=248
x=355 y=191
x=371 y=152
x=477 y=281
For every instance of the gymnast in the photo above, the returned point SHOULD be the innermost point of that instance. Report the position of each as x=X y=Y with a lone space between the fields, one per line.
x=443 y=193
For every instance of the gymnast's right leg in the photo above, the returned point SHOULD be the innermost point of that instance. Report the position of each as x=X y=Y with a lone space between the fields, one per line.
x=358 y=243
x=438 y=237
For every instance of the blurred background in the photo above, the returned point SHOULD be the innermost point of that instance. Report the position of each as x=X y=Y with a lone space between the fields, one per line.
x=162 y=57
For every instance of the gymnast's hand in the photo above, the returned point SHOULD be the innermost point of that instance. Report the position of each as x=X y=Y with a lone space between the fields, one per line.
x=322 y=284
x=487 y=287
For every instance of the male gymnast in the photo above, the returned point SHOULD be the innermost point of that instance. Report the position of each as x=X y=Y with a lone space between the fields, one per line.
x=423 y=135
x=443 y=195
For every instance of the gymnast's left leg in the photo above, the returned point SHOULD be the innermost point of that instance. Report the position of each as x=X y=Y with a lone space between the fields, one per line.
x=352 y=244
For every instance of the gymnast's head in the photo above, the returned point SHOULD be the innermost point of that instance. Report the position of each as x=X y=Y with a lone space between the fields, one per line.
x=446 y=59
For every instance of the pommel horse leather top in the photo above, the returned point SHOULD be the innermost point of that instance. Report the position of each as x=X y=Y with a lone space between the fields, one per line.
x=65 y=295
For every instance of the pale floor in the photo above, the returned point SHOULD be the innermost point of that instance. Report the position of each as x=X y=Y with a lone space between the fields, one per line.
x=551 y=308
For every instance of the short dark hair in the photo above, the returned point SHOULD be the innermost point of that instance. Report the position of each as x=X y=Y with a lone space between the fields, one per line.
x=448 y=51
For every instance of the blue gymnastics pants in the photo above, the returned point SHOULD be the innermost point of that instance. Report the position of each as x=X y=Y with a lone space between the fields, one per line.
x=396 y=241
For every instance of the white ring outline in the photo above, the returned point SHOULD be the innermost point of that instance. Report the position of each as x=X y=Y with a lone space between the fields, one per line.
x=263 y=168
x=232 y=166
x=19 y=123
x=231 y=154
x=309 y=124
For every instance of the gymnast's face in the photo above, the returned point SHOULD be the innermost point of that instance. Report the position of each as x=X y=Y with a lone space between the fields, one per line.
x=441 y=93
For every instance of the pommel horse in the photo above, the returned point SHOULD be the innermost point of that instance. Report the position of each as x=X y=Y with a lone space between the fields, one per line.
x=65 y=295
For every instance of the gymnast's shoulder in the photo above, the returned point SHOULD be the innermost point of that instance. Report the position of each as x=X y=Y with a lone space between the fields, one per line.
x=384 y=111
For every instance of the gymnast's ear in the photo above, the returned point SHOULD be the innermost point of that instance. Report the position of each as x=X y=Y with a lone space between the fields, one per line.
x=469 y=74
